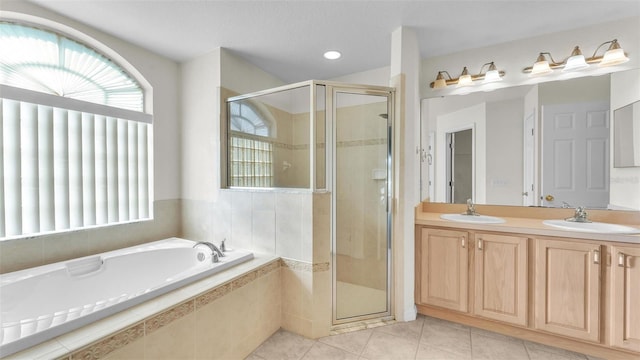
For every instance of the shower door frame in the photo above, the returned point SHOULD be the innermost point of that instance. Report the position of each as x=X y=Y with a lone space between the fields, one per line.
x=332 y=90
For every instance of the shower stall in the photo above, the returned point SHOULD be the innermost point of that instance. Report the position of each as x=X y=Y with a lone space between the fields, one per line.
x=334 y=138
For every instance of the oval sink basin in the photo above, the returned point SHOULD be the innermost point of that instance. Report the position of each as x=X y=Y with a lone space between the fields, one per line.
x=476 y=219
x=595 y=227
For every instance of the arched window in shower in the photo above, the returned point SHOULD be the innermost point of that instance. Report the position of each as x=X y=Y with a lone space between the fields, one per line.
x=252 y=153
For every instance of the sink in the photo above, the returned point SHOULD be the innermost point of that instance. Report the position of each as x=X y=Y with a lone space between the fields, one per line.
x=476 y=219
x=594 y=227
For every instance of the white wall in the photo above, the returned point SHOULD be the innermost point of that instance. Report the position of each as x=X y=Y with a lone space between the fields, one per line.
x=200 y=135
x=504 y=168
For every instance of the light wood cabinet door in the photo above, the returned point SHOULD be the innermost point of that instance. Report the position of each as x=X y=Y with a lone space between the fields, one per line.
x=567 y=288
x=501 y=278
x=625 y=297
x=443 y=268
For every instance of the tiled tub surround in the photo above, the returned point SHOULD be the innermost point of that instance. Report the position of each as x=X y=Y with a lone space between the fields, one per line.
x=226 y=315
x=37 y=306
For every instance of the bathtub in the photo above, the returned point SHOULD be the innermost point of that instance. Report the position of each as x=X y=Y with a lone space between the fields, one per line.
x=41 y=303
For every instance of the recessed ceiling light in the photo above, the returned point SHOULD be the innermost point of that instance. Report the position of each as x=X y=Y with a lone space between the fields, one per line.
x=332 y=55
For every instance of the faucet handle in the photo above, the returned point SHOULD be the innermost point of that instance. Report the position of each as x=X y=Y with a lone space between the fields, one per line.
x=223 y=247
x=215 y=258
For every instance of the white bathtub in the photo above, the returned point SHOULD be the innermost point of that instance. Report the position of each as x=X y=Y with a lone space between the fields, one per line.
x=41 y=303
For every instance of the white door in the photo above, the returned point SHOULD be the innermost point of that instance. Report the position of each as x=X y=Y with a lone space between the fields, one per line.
x=528 y=163
x=575 y=155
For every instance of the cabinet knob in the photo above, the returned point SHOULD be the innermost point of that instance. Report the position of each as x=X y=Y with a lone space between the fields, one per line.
x=479 y=244
x=596 y=256
x=463 y=242
x=621 y=258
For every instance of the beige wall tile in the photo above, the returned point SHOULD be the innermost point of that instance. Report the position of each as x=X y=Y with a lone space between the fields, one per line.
x=20 y=254
x=289 y=225
x=241 y=204
x=173 y=341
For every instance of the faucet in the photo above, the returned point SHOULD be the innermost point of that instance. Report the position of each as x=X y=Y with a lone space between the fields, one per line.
x=471 y=208
x=216 y=254
x=579 y=216
x=566 y=205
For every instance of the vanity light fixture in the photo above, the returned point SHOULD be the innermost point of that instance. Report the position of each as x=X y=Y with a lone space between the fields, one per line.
x=576 y=61
x=465 y=79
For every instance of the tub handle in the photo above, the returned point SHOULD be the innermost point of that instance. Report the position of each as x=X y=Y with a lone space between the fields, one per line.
x=84 y=266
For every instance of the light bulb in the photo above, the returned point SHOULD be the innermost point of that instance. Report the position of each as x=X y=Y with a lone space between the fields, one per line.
x=576 y=61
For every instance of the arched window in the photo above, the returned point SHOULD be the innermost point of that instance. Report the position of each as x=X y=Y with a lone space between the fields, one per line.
x=76 y=144
x=52 y=63
x=251 y=157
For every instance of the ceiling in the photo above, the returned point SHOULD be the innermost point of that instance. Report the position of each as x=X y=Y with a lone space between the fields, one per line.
x=288 y=38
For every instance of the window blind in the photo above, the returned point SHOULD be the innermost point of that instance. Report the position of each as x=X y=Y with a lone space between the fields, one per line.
x=70 y=167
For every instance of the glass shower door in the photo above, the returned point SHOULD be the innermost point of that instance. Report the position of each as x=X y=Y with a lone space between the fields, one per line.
x=362 y=164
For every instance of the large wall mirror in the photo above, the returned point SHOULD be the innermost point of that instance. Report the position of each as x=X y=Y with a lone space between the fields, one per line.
x=546 y=144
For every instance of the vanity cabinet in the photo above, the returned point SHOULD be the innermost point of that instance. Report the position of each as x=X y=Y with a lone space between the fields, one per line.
x=567 y=288
x=500 y=277
x=625 y=290
x=442 y=259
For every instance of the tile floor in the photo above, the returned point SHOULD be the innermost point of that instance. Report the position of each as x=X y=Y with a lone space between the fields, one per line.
x=422 y=339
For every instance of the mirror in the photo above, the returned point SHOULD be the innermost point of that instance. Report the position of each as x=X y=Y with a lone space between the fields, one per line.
x=626 y=136
x=545 y=144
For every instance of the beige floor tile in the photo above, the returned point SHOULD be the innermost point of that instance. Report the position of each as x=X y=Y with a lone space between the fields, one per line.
x=490 y=348
x=453 y=339
x=408 y=330
x=284 y=345
x=385 y=346
x=426 y=352
x=494 y=335
x=320 y=351
x=353 y=342
x=539 y=351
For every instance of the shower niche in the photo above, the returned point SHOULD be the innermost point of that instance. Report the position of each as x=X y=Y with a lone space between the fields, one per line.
x=330 y=138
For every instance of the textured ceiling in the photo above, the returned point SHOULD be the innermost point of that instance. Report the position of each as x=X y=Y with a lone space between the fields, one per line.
x=288 y=38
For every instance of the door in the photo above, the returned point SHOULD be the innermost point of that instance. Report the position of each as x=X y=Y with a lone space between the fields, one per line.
x=529 y=162
x=575 y=157
x=567 y=284
x=441 y=268
x=361 y=211
x=460 y=166
x=501 y=278
x=625 y=283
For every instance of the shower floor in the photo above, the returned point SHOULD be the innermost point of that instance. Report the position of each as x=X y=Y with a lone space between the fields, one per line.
x=354 y=300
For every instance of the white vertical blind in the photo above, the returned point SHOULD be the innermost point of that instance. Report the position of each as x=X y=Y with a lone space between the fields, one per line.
x=65 y=169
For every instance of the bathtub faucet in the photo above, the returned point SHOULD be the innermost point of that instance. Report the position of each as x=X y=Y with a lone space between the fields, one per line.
x=215 y=252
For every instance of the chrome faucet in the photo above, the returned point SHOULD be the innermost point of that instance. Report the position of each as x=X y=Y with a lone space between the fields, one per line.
x=471 y=208
x=216 y=254
x=579 y=216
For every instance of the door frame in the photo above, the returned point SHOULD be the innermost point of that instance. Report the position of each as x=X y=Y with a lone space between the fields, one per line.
x=332 y=90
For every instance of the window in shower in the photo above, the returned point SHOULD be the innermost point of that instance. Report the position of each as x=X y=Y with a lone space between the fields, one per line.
x=268 y=138
x=251 y=152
